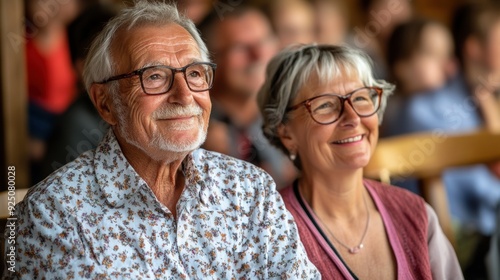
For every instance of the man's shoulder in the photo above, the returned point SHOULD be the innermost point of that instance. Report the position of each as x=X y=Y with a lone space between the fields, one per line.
x=71 y=177
x=230 y=175
x=226 y=163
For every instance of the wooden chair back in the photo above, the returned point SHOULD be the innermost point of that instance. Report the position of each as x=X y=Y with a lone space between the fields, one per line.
x=426 y=155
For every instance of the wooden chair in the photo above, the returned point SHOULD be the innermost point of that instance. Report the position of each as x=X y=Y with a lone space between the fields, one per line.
x=425 y=156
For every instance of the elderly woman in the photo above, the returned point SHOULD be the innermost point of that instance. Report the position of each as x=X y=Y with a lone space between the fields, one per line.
x=322 y=107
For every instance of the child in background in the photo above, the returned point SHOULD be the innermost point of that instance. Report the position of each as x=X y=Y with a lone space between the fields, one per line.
x=420 y=56
x=420 y=60
x=332 y=21
x=292 y=20
x=380 y=19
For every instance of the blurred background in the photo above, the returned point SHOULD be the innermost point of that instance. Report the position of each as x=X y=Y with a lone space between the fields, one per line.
x=39 y=62
x=442 y=55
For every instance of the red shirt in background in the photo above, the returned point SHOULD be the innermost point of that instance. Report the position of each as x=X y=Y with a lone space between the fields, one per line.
x=51 y=77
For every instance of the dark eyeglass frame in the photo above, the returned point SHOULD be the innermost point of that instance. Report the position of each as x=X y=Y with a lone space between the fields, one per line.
x=139 y=73
x=307 y=103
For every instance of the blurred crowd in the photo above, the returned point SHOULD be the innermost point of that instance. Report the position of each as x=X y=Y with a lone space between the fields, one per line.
x=446 y=76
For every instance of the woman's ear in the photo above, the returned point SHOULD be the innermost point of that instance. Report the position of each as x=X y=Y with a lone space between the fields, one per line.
x=287 y=138
x=101 y=98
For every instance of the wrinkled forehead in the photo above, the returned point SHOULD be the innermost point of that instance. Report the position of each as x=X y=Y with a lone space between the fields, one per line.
x=141 y=42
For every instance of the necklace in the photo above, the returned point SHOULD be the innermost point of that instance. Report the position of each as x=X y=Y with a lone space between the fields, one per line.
x=355 y=249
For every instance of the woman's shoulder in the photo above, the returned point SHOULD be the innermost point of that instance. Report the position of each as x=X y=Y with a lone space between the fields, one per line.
x=391 y=190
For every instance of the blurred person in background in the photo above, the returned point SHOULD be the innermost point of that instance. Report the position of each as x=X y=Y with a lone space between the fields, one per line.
x=380 y=18
x=242 y=44
x=79 y=128
x=331 y=21
x=322 y=107
x=476 y=31
x=420 y=59
x=293 y=21
x=50 y=74
x=195 y=10
x=433 y=99
x=420 y=55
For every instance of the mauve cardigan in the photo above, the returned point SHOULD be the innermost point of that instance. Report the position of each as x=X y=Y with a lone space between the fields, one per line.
x=410 y=240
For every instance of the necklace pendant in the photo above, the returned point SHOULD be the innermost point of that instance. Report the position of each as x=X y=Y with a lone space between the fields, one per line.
x=355 y=250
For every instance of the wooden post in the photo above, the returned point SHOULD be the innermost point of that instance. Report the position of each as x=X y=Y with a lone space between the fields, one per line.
x=13 y=95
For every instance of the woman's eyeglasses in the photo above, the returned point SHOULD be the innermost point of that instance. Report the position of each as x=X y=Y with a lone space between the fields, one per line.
x=327 y=108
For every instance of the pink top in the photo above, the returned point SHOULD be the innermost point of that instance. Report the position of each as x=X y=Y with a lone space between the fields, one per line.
x=443 y=262
x=402 y=265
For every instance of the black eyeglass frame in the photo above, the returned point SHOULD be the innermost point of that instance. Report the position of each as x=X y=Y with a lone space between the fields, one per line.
x=307 y=103
x=139 y=73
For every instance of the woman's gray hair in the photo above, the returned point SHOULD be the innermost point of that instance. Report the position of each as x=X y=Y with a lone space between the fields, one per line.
x=99 y=64
x=289 y=71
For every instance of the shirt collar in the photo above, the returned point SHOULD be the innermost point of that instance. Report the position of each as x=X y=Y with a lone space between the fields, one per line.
x=116 y=177
x=120 y=182
x=202 y=175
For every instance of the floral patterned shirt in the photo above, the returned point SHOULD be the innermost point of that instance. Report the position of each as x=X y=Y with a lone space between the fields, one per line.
x=96 y=218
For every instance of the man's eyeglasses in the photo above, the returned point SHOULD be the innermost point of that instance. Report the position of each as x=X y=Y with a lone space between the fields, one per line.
x=327 y=108
x=158 y=79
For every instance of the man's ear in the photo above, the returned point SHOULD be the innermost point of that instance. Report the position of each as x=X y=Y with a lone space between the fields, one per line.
x=101 y=98
x=287 y=138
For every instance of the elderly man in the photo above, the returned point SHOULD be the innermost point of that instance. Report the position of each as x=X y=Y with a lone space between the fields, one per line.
x=147 y=203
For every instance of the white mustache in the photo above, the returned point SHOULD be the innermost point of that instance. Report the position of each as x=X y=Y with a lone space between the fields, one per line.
x=177 y=111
